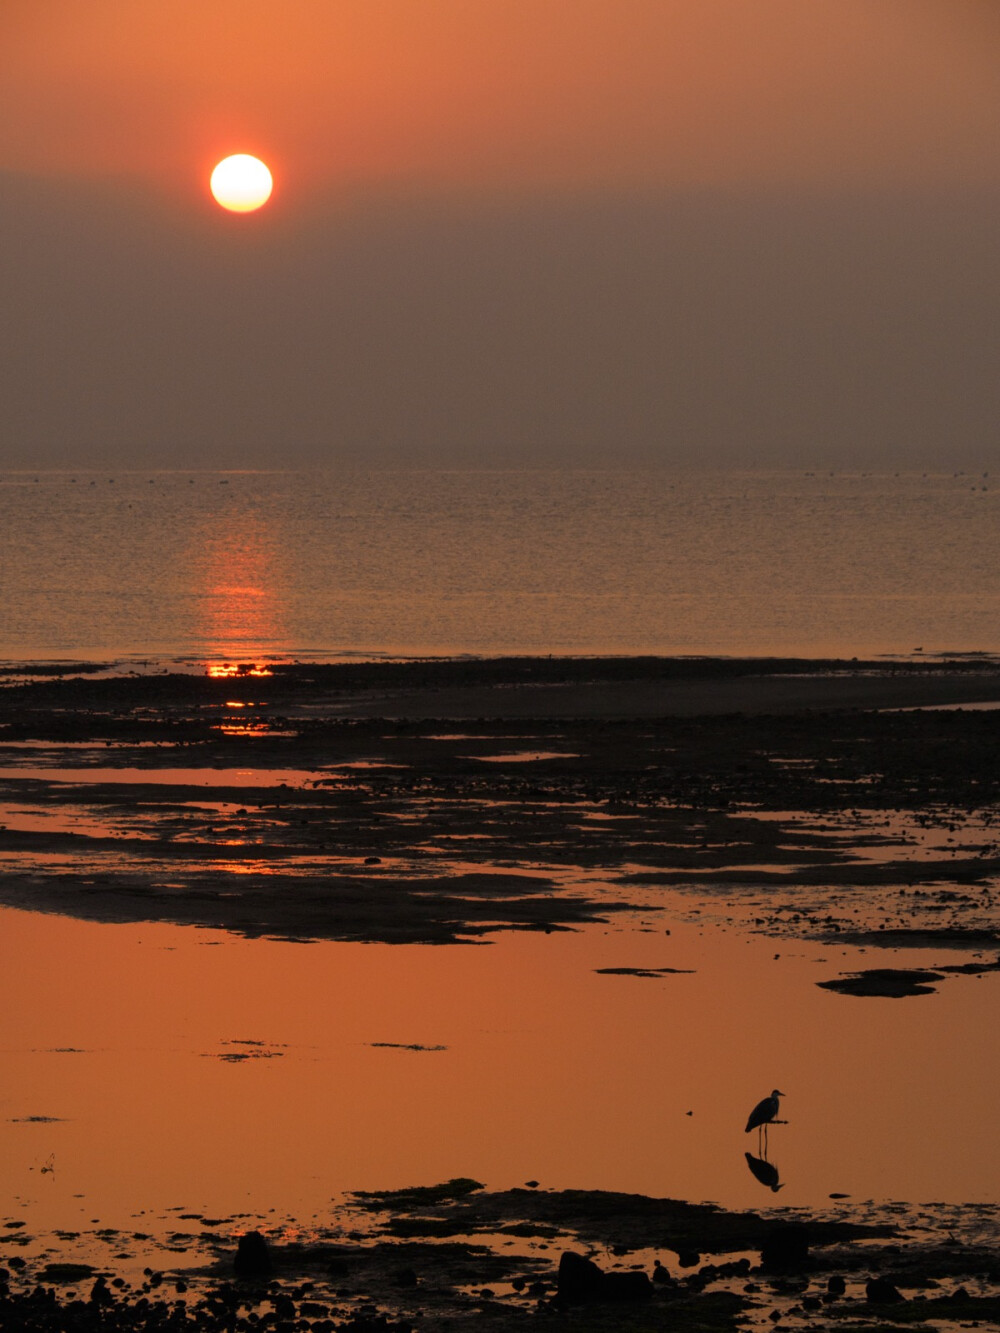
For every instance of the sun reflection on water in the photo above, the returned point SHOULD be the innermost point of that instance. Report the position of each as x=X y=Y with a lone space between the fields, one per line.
x=226 y=670
x=241 y=611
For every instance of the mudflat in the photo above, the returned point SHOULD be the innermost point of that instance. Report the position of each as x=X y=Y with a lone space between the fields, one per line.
x=444 y=802
x=439 y=801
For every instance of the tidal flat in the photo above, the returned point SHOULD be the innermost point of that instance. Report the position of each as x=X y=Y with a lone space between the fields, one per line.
x=287 y=943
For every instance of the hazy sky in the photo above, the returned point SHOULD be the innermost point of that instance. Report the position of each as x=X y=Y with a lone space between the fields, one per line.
x=502 y=231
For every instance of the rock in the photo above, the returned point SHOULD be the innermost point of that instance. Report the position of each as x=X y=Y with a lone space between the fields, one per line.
x=688 y=1258
x=99 y=1293
x=880 y=1291
x=581 y=1282
x=630 y=1286
x=60 y=1272
x=836 y=1285
x=253 y=1258
x=785 y=1248
x=284 y=1306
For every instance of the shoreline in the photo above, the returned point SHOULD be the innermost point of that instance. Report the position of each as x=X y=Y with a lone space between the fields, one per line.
x=526 y=687
x=454 y=1256
x=330 y=770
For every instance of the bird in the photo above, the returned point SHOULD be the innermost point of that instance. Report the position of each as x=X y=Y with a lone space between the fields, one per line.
x=764 y=1171
x=765 y=1112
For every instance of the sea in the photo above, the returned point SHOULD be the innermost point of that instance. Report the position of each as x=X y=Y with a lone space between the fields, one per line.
x=169 y=1087
x=354 y=563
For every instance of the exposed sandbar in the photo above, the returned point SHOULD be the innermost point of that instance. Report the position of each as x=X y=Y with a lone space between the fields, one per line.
x=442 y=801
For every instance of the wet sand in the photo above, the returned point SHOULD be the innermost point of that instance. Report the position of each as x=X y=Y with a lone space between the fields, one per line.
x=419 y=821
x=431 y=801
x=445 y=802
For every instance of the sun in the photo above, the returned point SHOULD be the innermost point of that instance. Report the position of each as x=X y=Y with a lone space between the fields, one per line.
x=241 y=183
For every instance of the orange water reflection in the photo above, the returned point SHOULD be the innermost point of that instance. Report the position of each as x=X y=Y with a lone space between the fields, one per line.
x=242 y=617
x=550 y=1070
x=226 y=670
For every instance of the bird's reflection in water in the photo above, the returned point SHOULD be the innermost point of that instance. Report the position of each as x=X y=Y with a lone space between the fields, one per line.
x=764 y=1171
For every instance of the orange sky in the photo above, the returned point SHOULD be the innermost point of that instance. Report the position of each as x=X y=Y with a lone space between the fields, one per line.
x=500 y=230
x=501 y=92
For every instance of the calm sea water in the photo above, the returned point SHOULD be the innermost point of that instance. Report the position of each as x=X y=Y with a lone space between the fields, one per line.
x=169 y=564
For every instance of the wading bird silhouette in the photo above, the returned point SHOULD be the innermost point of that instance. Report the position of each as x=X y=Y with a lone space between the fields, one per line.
x=763 y=1114
x=764 y=1171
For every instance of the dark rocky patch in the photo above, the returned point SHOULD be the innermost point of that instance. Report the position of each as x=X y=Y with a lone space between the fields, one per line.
x=420 y=1196
x=888 y=982
x=581 y=1282
x=880 y=1291
x=924 y=937
x=642 y=971
x=391 y=1286
x=364 y=853
x=786 y=1248
x=66 y=1272
x=405 y=1046
x=968 y=969
x=253 y=1257
x=633 y=1220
